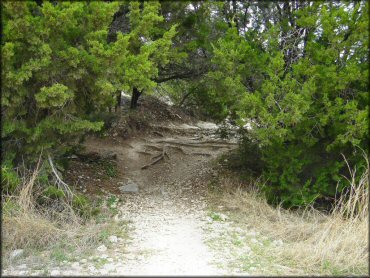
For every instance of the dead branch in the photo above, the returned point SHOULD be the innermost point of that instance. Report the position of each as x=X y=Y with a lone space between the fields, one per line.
x=61 y=184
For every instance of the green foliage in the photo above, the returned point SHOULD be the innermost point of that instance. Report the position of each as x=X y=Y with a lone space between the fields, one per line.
x=48 y=73
x=110 y=169
x=298 y=73
x=58 y=69
x=82 y=205
x=9 y=178
x=305 y=110
x=53 y=192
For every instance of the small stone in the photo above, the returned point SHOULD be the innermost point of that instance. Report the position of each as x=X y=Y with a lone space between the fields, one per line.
x=55 y=272
x=104 y=256
x=109 y=267
x=22 y=266
x=102 y=248
x=17 y=253
x=223 y=217
x=83 y=261
x=113 y=239
x=209 y=219
x=129 y=187
x=103 y=271
x=253 y=240
x=75 y=265
x=278 y=242
x=110 y=260
x=91 y=268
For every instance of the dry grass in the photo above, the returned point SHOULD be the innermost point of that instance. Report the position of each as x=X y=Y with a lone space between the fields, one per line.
x=28 y=228
x=335 y=244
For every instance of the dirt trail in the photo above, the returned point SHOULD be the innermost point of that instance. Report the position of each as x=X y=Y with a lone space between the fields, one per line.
x=167 y=214
x=169 y=227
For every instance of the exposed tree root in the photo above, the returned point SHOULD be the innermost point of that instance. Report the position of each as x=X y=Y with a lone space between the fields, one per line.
x=158 y=133
x=177 y=148
x=157 y=158
x=204 y=154
x=199 y=144
x=145 y=153
x=154 y=147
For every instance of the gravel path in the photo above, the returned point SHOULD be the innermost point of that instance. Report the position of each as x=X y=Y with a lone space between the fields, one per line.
x=168 y=220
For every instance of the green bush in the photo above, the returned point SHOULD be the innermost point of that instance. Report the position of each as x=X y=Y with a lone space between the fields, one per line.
x=9 y=179
x=305 y=111
x=82 y=205
x=53 y=192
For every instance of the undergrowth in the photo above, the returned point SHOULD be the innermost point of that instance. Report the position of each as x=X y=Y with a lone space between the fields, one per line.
x=61 y=229
x=333 y=243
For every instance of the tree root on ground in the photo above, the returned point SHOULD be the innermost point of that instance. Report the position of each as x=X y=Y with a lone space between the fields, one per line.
x=157 y=158
x=204 y=154
x=199 y=144
x=145 y=153
x=217 y=142
x=153 y=147
x=158 y=133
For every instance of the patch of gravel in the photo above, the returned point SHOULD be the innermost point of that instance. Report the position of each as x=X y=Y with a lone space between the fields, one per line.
x=169 y=227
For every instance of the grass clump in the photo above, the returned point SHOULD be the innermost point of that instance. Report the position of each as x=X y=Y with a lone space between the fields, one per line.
x=313 y=242
x=60 y=235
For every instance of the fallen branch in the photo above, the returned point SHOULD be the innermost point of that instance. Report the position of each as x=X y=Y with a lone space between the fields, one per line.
x=61 y=184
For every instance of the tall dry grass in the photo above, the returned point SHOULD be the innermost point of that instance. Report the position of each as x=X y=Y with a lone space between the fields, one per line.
x=27 y=227
x=317 y=243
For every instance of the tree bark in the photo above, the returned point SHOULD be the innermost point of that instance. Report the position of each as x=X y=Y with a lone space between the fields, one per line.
x=118 y=101
x=135 y=97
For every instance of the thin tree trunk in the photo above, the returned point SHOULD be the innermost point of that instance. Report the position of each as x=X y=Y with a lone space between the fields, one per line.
x=119 y=99
x=135 y=97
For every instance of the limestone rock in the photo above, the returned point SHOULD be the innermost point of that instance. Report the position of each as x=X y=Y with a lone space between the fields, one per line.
x=129 y=187
x=17 y=253
x=102 y=248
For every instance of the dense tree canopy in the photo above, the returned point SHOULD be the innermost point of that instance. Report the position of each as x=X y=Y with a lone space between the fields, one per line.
x=297 y=71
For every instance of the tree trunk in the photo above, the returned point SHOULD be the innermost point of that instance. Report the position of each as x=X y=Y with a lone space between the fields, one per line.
x=118 y=101
x=135 y=97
